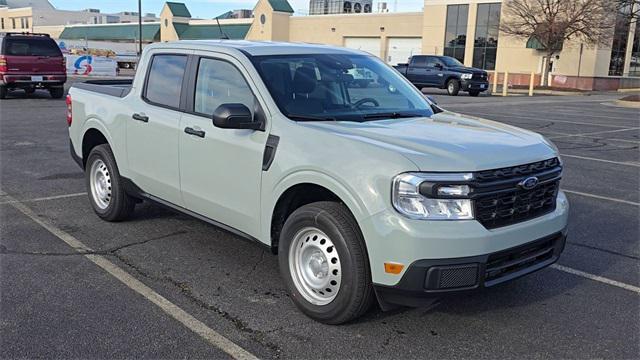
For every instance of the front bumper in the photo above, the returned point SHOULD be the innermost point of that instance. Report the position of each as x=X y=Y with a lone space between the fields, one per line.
x=474 y=85
x=31 y=80
x=426 y=279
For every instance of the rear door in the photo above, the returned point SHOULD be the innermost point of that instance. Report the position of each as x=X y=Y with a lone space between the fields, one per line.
x=417 y=70
x=153 y=130
x=435 y=70
x=33 y=55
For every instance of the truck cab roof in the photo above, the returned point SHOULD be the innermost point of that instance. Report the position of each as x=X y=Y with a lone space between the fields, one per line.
x=257 y=48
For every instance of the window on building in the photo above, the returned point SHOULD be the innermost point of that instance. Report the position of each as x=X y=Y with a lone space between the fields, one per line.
x=13 y=23
x=26 y=22
x=486 y=42
x=2 y=23
x=164 y=82
x=619 y=45
x=634 y=68
x=456 y=31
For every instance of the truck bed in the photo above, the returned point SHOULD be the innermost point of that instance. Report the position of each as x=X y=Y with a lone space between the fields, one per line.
x=118 y=88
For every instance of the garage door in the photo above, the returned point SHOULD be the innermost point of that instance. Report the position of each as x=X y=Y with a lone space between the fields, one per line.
x=400 y=49
x=370 y=45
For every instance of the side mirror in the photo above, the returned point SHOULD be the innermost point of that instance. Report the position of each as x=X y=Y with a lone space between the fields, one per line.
x=439 y=66
x=235 y=116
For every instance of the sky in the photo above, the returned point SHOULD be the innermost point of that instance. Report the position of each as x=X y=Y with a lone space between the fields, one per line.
x=201 y=8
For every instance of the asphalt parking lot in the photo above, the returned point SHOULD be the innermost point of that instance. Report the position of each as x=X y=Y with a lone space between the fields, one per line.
x=57 y=303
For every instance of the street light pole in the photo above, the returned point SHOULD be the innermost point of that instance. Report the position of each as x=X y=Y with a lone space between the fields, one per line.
x=139 y=28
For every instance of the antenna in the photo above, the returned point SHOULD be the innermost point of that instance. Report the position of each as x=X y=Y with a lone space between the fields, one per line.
x=223 y=35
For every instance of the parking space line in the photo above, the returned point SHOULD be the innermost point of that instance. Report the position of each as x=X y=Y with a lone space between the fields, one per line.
x=601 y=197
x=597 y=278
x=56 y=197
x=546 y=119
x=211 y=336
x=601 y=160
x=595 y=133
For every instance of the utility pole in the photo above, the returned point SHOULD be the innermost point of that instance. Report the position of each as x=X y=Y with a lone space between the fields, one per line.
x=139 y=28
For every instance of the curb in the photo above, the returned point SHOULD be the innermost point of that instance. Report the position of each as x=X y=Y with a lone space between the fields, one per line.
x=628 y=104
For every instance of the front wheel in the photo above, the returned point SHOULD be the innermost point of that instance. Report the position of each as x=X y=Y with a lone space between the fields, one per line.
x=453 y=87
x=324 y=263
x=106 y=191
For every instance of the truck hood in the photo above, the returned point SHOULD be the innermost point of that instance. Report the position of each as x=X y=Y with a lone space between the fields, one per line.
x=448 y=141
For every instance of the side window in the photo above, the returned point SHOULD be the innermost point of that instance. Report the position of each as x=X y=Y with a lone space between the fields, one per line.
x=164 y=81
x=419 y=61
x=219 y=82
x=433 y=62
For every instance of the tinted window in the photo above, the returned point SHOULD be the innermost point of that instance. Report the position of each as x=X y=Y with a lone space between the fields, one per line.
x=486 y=41
x=219 y=83
x=456 y=31
x=165 y=79
x=419 y=61
x=433 y=61
x=31 y=47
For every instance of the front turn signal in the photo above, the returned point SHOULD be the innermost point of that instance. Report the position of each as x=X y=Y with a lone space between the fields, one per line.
x=393 y=268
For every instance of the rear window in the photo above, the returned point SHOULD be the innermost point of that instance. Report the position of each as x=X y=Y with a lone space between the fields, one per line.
x=164 y=82
x=30 y=47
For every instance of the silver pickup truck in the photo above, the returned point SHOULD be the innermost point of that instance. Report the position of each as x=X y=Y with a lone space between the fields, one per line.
x=365 y=193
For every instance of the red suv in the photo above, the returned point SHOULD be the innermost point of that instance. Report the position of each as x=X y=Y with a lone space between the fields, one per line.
x=30 y=62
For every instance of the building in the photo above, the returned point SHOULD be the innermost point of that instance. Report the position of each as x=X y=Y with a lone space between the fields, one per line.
x=324 y=7
x=40 y=15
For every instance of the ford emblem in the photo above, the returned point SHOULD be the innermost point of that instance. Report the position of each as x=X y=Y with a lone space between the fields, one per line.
x=529 y=183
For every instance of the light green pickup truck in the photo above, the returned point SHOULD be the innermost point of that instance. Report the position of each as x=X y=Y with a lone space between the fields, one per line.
x=365 y=193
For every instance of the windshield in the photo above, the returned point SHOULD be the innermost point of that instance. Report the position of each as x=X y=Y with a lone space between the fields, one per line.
x=326 y=87
x=453 y=62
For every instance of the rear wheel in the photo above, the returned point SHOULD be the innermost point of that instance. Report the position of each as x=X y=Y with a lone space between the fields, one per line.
x=324 y=263
x=474 y=93
x=56 y=92
x=453 y=87
x=106 y=192
x=3 y=92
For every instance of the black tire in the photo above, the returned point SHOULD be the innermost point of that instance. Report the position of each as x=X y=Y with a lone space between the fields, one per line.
x=3 y=92
x=474 y=93
x=355 y=294
x=56 y=92
x=121 y=205
x=453 y=87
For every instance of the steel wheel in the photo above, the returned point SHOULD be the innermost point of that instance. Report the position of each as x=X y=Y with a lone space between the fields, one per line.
x=100 y=183
x=452 y=87
x=314 y=265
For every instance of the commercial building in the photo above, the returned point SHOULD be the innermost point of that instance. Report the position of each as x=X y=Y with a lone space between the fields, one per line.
x=324 y=7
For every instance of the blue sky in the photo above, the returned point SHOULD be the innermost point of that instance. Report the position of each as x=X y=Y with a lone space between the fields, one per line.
x=199 y=8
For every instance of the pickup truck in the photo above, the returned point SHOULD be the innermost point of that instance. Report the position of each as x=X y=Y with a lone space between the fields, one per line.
x=365 y=194
x=444 y=72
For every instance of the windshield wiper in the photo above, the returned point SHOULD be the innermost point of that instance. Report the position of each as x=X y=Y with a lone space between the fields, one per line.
x=298 y=117
x=391 y=115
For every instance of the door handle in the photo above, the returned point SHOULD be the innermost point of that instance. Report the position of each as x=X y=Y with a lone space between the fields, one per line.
x=194 y=132
x=140 y=117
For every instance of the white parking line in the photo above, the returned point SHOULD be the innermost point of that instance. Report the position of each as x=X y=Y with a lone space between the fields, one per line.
x=596 y=133
x=65 y=196
x=193 y=324
x=597 y=278
x=547 y=119
x=601 y=160
x=601 y=197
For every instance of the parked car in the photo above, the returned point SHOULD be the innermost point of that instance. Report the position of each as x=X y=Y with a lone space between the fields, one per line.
x=29 y=62
x=364 y=194
x=444 y=72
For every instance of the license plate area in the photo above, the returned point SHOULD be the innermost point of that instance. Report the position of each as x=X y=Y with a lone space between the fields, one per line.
x=37 y=78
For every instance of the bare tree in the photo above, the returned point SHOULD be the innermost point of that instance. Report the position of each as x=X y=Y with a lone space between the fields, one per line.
x=630 y=8
x=552 y=22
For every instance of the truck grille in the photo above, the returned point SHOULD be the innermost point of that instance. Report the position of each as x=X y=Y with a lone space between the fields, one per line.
x=479 y=76
x=505 y=264
x=500 y=200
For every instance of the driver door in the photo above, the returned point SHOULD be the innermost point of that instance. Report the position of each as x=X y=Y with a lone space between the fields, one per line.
x=221 y=169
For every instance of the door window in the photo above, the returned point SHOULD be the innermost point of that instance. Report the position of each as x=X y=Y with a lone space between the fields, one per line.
x=433 y=62
x=218 y=83
x=164 y=82
x=419 y=61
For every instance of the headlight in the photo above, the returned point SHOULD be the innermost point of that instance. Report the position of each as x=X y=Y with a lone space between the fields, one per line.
x=466 y=76
x=409 y=201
